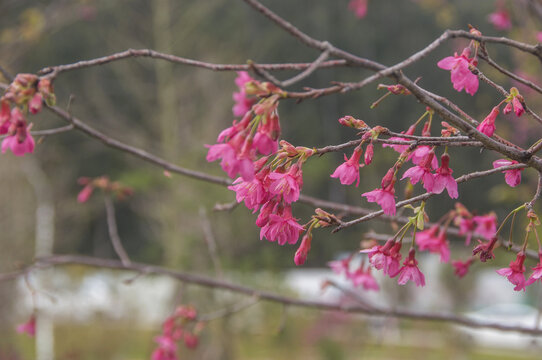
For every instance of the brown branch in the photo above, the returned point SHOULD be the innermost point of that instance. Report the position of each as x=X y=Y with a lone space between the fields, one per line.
x=200 y=280
x=132 y=53
x=210 y=241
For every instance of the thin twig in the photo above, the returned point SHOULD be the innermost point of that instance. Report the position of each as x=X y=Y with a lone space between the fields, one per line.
x=209 y=238
x=113 y=231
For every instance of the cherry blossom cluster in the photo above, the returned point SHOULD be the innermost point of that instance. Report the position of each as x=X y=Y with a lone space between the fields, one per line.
x=270 y=178
x=25 y=94
x=513 y=102
x=256 y=133
x=361 y=276
x=182 y=325
x=434 y=178
x=103 y=183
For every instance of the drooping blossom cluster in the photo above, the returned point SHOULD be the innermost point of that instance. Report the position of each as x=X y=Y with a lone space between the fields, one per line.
x=256 y=133
x=434 y=240
x=388 y=257
x=513 y=102
x=268 y=184
x=103 y=183
x=25 y=94
x=182 y=325
x=361 y=276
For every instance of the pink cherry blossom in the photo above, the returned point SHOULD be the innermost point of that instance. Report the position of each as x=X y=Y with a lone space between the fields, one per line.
x=461 y=268
x=242 y=103
x=286 y=184
x=359 y=7
x=518 y=107
x=464 y=220
x=537 y=271
x=282 y=228
x=28 y=327
x=401 y=148
x=17 y=147
x=487 y=126
x=232 y=162
x=410 y=271
x=420 y=154
x=512 y=177
x=36 y=103
x=500 y=19
x=363 y=277
x=340 y=266
x=422 y=172
x=434 y=241
x=253 y=192
x=461 y=76
x=507 y=109
x=515 y=272
x=265 y=144
x=384 y=198
x=486 y=225
x=369 y=152
x=85 y=193
x=485 y=249
x=444 y=179
x=386 y=257
x=348 y=172
x=302 y=252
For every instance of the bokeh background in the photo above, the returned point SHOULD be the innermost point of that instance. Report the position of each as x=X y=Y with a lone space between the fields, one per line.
x=172 y=110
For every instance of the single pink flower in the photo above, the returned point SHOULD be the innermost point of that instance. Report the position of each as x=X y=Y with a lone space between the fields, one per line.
x=420 y=154
x=242 y=103
x=512 y=177
x=384 y=198
x=537 y=271
x=486 y=225
x=422 y=172
x=18 y=148
x=268 y=208
x=191 y=341
x=286 y=184
x=303 y=251
x=434 y=241
x=410 y=271
x=500 y=19
x=253 y=192
x=444 y=179
x=485 y=249
x=282 y=228
x=401 y=148
x=85 y=193
x=364 y=278
x=28 y=327
x=36 y=103
x=265 y=144
x=369 y=152
x=359 y=7
x=385 y=257
x=232 y=162
x=518 y=107
x=340 y=266
x=348 y=172
x=461 y=76
x=461 y=268
x=515 y=273
x=487 y=126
